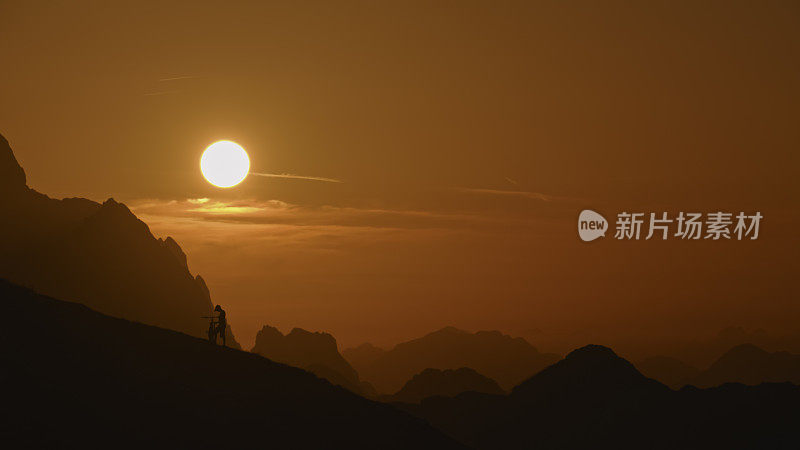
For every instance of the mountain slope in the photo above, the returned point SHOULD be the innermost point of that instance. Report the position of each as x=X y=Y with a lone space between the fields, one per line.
x=500 y=357
x=77 y=378
x=98 y=255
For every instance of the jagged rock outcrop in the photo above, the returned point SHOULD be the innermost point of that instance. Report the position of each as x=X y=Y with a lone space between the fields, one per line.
x=100 y=255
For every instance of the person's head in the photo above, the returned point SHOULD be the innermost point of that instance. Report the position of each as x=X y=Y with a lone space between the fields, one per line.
x=218 y=308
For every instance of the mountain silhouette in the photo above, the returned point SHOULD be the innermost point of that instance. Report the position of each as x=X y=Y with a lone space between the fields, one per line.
x=500 y=357
x=316 y=352
x=595 y=399
x=75 y=378
x=100 y=255
x=591 y=371
x=670 y=371
x=748 y=364
x=446 y=383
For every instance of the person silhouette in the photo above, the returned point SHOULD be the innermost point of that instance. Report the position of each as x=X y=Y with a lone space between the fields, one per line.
x=212 y=330
x=222 y=323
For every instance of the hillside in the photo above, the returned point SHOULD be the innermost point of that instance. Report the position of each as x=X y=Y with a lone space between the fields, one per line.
x=502 y=358
x=100 y=255
x=76 y=378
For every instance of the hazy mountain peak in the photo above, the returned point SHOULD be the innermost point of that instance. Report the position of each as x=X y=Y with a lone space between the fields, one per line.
x=742 y=355
x=592 y=351
x=746 y=349
x=309 y=341
x=749 y=364
x=314 y=351
x=446 y=383
x=366 y=346
x=592 y=369
x=268 y=331
x=320 y=336
x=449 y=330
x=496 y=333
x=363 y=355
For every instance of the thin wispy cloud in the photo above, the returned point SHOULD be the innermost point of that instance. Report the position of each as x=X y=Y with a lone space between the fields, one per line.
x=185 y=77
x=276 y=212
x=168 y=79
x=224 y=208
x=296 y=177
x=523 y=194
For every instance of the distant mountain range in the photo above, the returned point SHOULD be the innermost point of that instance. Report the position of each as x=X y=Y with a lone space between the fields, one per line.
x=445 y=383
x=100 y=255
x=315 y=352
x=746 y=364
x=751 y=365
x=85 y=380
x=701 y=352
x=500 y=357
x=595 y=399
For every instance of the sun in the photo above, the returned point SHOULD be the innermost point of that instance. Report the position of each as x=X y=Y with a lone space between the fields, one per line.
x=225 y=164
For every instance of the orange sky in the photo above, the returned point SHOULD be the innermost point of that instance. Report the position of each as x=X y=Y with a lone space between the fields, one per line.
x=431 y=115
